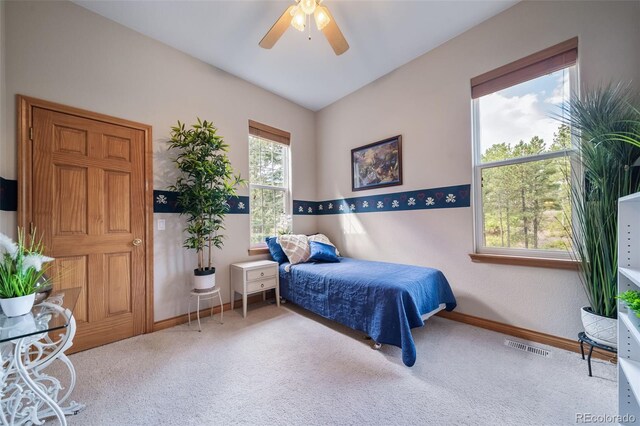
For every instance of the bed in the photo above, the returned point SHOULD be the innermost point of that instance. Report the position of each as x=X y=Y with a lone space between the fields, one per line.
x=383 y=300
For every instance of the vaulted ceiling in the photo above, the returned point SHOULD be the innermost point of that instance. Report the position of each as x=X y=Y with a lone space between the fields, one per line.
x=383 y=36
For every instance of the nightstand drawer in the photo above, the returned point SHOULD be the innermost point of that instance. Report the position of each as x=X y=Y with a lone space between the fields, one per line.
x=261 y=285
x=258 y=274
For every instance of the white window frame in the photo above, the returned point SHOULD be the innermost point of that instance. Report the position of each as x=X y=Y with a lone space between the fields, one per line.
x=286 y=189
x=479 y=166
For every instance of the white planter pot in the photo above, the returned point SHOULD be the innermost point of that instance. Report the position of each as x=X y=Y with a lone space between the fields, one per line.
x=17 y=306
x=633 y=318
x=600 y=329
x=204 y=280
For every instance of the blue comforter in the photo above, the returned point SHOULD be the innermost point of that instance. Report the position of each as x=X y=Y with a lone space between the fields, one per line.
x=384 y=300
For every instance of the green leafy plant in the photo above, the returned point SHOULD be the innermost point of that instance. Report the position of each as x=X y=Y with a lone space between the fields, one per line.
x=632 y=299
x=205 y=183
x=22 y=265
x=606 y=123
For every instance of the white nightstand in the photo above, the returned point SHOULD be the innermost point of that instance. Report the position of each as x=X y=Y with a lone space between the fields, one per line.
x=254 y=277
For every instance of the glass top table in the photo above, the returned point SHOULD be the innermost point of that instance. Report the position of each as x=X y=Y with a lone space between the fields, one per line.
x=43 y=317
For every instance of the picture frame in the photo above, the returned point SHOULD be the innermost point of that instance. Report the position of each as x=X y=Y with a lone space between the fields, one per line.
x=377 y=164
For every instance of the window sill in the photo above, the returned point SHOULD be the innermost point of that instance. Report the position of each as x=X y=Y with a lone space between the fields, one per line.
x=537 y=262
x=254 y=251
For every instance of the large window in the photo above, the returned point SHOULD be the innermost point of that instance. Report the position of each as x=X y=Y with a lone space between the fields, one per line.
x=268 y=181
x=522 y=155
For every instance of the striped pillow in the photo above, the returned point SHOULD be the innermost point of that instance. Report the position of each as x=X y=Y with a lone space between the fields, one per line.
x=296 y=247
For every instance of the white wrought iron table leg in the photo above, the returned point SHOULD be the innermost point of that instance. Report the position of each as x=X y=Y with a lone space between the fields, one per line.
x=24 y=375
x=221 y=306
x=30 y=380
x=72 y=377
x=5 y=373
x=70 y=408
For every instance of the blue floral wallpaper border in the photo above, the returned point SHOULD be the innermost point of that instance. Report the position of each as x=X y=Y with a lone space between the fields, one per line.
x=8 y=195
x=422 y=199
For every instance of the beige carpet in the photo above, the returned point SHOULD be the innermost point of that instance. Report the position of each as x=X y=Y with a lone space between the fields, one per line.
x=286 y=366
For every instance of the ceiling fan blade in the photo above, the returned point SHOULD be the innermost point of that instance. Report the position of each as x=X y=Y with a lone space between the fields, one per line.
x=276 y=31
x=334 y=36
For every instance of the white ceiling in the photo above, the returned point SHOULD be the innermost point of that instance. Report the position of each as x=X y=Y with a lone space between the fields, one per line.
x=383 y=35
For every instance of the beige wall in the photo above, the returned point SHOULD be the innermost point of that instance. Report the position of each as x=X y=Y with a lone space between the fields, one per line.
x=428 y=102
x=61 y=52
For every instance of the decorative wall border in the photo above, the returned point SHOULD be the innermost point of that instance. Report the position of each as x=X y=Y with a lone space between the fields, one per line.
x=422 y=199
x=167 y=202
x=8 y=195
x=163 y=201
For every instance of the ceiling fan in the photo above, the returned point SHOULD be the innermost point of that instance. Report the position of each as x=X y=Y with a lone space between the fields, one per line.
x=299 y=16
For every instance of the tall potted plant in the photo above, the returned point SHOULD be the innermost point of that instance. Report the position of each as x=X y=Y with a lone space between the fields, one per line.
x=22 y=267
x=606 y=122
x=205 y=183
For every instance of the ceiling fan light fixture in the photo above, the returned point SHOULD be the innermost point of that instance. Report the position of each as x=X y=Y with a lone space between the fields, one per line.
x=298 y=15
x=308 y=6
x=321 y=15
x=298 y=20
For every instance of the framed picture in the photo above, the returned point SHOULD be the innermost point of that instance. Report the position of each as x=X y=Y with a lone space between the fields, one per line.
x=377 y=165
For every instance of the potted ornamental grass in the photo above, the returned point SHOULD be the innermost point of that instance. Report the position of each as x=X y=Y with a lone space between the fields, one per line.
x=22 y=269
x=606 y=125
x=205 y=183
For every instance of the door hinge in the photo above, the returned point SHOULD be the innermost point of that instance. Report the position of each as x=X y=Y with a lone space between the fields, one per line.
x=30 y=133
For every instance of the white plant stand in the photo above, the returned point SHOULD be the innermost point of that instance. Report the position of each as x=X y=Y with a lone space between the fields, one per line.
x=206 y=294
x=628 y=330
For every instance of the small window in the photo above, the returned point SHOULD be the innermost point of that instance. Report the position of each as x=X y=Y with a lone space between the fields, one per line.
x=270 y=201
x=522 y=155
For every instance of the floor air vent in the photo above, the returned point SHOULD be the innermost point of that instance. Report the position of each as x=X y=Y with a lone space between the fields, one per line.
x=527 y=348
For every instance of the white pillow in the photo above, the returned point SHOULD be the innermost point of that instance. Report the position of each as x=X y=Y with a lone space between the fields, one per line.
x=296 y=247
x=321 y=238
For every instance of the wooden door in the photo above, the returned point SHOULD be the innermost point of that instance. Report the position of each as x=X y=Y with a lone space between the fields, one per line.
x=88 y=192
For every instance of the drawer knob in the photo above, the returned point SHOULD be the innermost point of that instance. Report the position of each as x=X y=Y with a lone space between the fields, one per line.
x=262 y=274
x=262 y=285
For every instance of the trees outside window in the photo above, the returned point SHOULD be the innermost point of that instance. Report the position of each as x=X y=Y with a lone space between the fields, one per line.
x=269 y=187
x=522 y=157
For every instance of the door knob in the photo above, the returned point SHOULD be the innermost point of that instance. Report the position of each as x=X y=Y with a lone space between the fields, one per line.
x=137 y=242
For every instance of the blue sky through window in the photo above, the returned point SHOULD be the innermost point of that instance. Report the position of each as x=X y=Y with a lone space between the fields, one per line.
x=523 y=111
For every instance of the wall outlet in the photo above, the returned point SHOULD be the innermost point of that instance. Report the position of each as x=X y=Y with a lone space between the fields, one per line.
x=161 y=225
